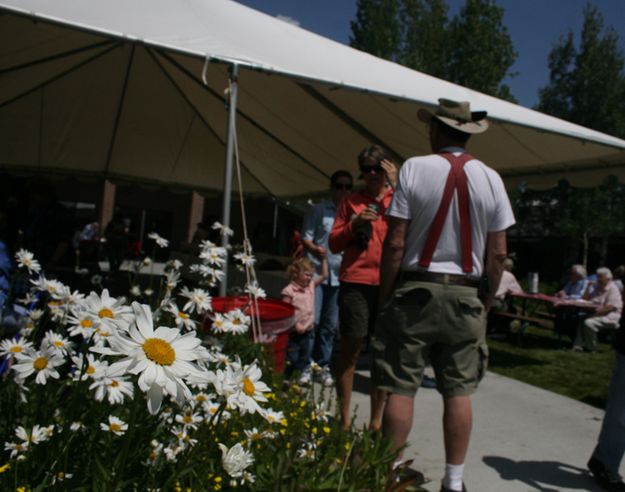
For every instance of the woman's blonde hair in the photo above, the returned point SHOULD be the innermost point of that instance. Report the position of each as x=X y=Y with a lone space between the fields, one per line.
x=297 y=265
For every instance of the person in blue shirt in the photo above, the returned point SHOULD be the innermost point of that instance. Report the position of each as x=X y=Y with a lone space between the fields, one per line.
x=315 y=232
x=577 y=284
x=566 y=321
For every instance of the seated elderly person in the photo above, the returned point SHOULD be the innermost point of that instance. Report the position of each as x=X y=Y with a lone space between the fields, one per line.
x=609 y=306
x=508 y=285
x=576 y=285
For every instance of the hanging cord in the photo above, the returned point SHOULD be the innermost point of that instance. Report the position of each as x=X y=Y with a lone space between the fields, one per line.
x=250 y=272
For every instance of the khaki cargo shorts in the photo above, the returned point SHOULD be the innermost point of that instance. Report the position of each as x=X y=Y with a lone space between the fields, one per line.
x=443 y=324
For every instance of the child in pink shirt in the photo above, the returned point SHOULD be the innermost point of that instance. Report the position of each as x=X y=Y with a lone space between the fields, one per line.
x=301 y=294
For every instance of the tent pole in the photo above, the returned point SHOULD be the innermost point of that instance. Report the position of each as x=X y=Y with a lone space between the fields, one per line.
x=227 y=198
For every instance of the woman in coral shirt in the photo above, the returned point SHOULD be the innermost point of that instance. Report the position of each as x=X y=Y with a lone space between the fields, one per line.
x=358 y=232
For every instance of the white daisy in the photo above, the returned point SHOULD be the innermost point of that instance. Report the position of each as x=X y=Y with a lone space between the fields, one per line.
x=175 y=264
x=17 y=449
x=189 y=419
x=89 y=368
x=245 y=259
x=214 y=255
x=182 y=434
x=57 y=343
x=81 y=323
x=241 y=387
x=135 y=291
x=41 y=363
x=42 y=284
x=237 y=322
x=36 y=435
x=171 y=280
x=181 y=318
x=115 y=388
x=272 y=416
x=25 y=259
x=235 y=460
x=114 y=425
x=160 y=241
x=255 y=290
x=15 y=346
x=199 y=300
x=108 y=310
x=162 y=358
x=219 y=323
x=223 y=229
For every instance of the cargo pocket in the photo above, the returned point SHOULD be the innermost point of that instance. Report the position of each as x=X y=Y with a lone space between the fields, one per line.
x=471 y=306
x=483 y=362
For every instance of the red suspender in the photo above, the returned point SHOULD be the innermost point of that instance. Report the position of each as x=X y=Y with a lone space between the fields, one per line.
x=456 y=179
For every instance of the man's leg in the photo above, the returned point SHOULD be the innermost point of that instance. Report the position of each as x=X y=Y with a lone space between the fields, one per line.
x=457 y=423
x=397 y=420
x=590 y=327
x=378 y=402
x=346 y=366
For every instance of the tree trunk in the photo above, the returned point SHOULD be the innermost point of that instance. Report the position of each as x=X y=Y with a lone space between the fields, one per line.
x=585 y=249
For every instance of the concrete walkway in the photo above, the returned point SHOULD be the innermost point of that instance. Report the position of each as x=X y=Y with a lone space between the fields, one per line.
x=524 y=438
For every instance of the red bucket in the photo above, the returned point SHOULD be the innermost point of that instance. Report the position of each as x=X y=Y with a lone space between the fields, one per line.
x=276 y=319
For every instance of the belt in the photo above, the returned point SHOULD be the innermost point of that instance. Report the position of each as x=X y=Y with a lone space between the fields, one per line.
x=440 y=278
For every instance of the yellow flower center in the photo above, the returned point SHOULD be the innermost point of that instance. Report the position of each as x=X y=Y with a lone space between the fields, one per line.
x=200 y=398
x=187 y=419
x=114 y=384
x=236 y=321
x=159 y=351
x=40 y=363
x=183 y=315
x=248 y=387
x=16 y=349
x=86 y=323
x=59 y=343
x=115 y=427
x=90 y=370
x=106 y=313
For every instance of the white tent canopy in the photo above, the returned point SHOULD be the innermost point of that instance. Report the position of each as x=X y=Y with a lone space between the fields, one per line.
x=115 y=89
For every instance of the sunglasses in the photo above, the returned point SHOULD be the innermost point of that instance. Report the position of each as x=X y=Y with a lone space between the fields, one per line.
x=342 y=186
x=369 y=169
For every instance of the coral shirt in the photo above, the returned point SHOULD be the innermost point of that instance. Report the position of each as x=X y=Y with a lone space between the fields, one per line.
x=358 y=266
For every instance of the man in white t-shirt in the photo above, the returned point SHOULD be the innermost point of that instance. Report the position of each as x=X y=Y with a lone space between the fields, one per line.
x=449 y=211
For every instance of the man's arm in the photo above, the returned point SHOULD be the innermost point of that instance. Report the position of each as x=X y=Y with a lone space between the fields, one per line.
x=311 y=219
x=392 y=254
x=496 y=252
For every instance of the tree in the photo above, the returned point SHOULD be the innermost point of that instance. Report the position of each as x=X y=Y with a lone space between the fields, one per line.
x=587 y=84
x=376 y=29
x=474 y=49
x=483 y=51
x=425 y=44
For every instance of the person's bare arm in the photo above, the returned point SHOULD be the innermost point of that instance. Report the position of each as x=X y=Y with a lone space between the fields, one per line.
x=315 y=249
x=324 y=273
x=496 y=252
x=392 y=254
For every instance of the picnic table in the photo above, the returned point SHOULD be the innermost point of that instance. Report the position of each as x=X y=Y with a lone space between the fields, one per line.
x=541 y=310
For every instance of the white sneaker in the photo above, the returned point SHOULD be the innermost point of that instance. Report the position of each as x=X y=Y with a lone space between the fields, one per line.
x=305 y=378
x=327 y=380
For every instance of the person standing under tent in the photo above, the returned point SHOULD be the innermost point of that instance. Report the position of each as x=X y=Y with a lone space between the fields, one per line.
x=449 y=211
x=358 y=232
x=318 y=223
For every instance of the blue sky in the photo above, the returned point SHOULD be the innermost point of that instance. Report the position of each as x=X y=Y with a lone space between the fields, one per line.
x=535 y=25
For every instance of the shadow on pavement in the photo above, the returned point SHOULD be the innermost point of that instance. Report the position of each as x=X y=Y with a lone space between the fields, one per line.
x=545 y=476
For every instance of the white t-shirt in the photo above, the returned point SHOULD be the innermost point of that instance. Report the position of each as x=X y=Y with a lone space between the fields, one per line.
x=418 y=196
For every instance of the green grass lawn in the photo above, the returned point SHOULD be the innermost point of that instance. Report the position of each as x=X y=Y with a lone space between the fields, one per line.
x=540 y=360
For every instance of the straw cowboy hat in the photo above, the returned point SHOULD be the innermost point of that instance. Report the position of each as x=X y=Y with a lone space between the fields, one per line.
x=458 y=115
